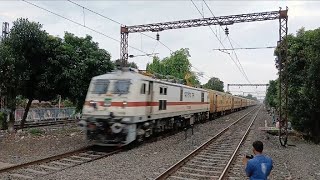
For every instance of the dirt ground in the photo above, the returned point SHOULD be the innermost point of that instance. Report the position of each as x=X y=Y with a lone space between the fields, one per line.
x=36 y=143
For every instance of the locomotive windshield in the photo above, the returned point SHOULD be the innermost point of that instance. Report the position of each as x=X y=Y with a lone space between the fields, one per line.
x=100 y=86
x=122 y=86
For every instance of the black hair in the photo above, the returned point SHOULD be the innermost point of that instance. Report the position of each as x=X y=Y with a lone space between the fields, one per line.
x=258 y=146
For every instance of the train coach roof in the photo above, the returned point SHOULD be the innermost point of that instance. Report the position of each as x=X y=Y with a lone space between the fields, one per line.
x=137 y=76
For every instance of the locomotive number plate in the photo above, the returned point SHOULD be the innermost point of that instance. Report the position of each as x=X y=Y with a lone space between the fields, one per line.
x=107 y=102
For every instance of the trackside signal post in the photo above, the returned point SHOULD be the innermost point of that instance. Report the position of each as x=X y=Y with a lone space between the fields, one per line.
x=281 y=15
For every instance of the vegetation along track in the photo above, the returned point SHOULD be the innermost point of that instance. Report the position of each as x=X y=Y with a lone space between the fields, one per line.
x=212 y=159
x=55 y=164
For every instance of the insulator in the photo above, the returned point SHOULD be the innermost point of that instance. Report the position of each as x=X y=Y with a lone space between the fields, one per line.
x=158 y=37
x=227 y=31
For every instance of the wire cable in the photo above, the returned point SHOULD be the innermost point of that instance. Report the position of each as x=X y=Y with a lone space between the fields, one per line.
x=230 y=45
x=223 y=46
x=246 y=48
x=117 y=22
x=81 y=25
x=122 y=24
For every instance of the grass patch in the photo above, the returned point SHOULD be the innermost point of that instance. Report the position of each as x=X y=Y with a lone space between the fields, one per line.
x=36 y=131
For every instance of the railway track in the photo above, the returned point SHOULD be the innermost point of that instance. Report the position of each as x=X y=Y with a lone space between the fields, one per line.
x=46 y=166
x=213 y=158
x=45 y=123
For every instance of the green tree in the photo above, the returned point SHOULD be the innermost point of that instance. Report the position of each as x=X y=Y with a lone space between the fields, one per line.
x=11 y=76
x=272 y=94
x=176 y=65
x=249 y=96
x=214 y=84
x=39 y=66
x=130 y=64
x=27 y=43
x=304 y=81
x=84 y=60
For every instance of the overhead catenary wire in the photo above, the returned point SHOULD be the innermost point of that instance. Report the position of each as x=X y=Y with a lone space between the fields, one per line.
x=158 y=41
x=230 y=45
x=245 y=48
x=99 y=14
x=94 y=29
x=222 y=44
x=81 y=25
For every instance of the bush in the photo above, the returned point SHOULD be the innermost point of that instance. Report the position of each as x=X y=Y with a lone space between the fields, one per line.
x=35 y=131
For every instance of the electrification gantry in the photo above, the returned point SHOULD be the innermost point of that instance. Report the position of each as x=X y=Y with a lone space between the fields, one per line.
x=281 y=15
x=246 y=85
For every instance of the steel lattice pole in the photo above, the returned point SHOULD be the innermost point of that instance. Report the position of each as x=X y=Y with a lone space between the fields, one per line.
x=124 y=46
x=283 y=77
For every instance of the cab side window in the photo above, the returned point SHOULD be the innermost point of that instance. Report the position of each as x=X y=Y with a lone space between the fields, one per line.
x=143 y=88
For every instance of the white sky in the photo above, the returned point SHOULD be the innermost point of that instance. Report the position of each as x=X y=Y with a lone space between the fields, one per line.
x=258 y=64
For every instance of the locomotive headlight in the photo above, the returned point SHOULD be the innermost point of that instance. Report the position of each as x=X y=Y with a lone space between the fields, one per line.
x=124 y=104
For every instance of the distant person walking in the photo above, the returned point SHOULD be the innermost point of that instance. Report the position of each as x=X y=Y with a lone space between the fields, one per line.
x=260 y=166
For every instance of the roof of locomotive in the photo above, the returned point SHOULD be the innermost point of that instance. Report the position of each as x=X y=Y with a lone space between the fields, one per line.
x=131 y=73
x=134 y=74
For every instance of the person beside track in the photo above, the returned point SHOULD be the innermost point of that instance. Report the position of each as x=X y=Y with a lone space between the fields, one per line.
x=259 y=166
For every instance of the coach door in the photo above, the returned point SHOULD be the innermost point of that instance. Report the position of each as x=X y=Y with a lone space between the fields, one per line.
x=216 y=103
x=150 y=99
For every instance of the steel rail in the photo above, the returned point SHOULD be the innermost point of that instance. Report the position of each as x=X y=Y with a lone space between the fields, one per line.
x=180 y=163
x=44 y=160
x=58 y=157
x=45 y=123
x=225 y=170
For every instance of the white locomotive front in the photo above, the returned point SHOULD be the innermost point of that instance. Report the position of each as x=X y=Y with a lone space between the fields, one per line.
x=124 y=106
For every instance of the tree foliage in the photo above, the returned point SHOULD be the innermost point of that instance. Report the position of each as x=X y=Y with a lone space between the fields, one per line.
x=304 y=81
x=215 y=84
x=27 y=45
x=249 y=96
x=176 y=65
x=272 y=96
x=36 y=65
x=84 y=60
x=130 y=64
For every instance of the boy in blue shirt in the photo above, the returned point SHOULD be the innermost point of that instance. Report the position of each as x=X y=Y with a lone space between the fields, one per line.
x=260 y=166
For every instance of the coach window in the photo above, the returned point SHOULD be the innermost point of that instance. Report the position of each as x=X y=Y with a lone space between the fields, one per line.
x=162 y=104
x=163 y=90
x=143 y=88
x=181 y=94
x=202 y=97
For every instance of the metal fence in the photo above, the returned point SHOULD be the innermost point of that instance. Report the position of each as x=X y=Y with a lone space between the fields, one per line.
x=42 y=114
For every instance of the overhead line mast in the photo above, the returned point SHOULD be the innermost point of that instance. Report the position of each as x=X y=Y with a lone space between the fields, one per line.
x=281 y=15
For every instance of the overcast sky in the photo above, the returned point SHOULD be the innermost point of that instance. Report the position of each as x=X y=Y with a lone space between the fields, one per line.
x=258 y=64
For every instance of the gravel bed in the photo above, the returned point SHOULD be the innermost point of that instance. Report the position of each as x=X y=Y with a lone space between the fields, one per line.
x=148 y=160
x=300 y=161
x=28 y=145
